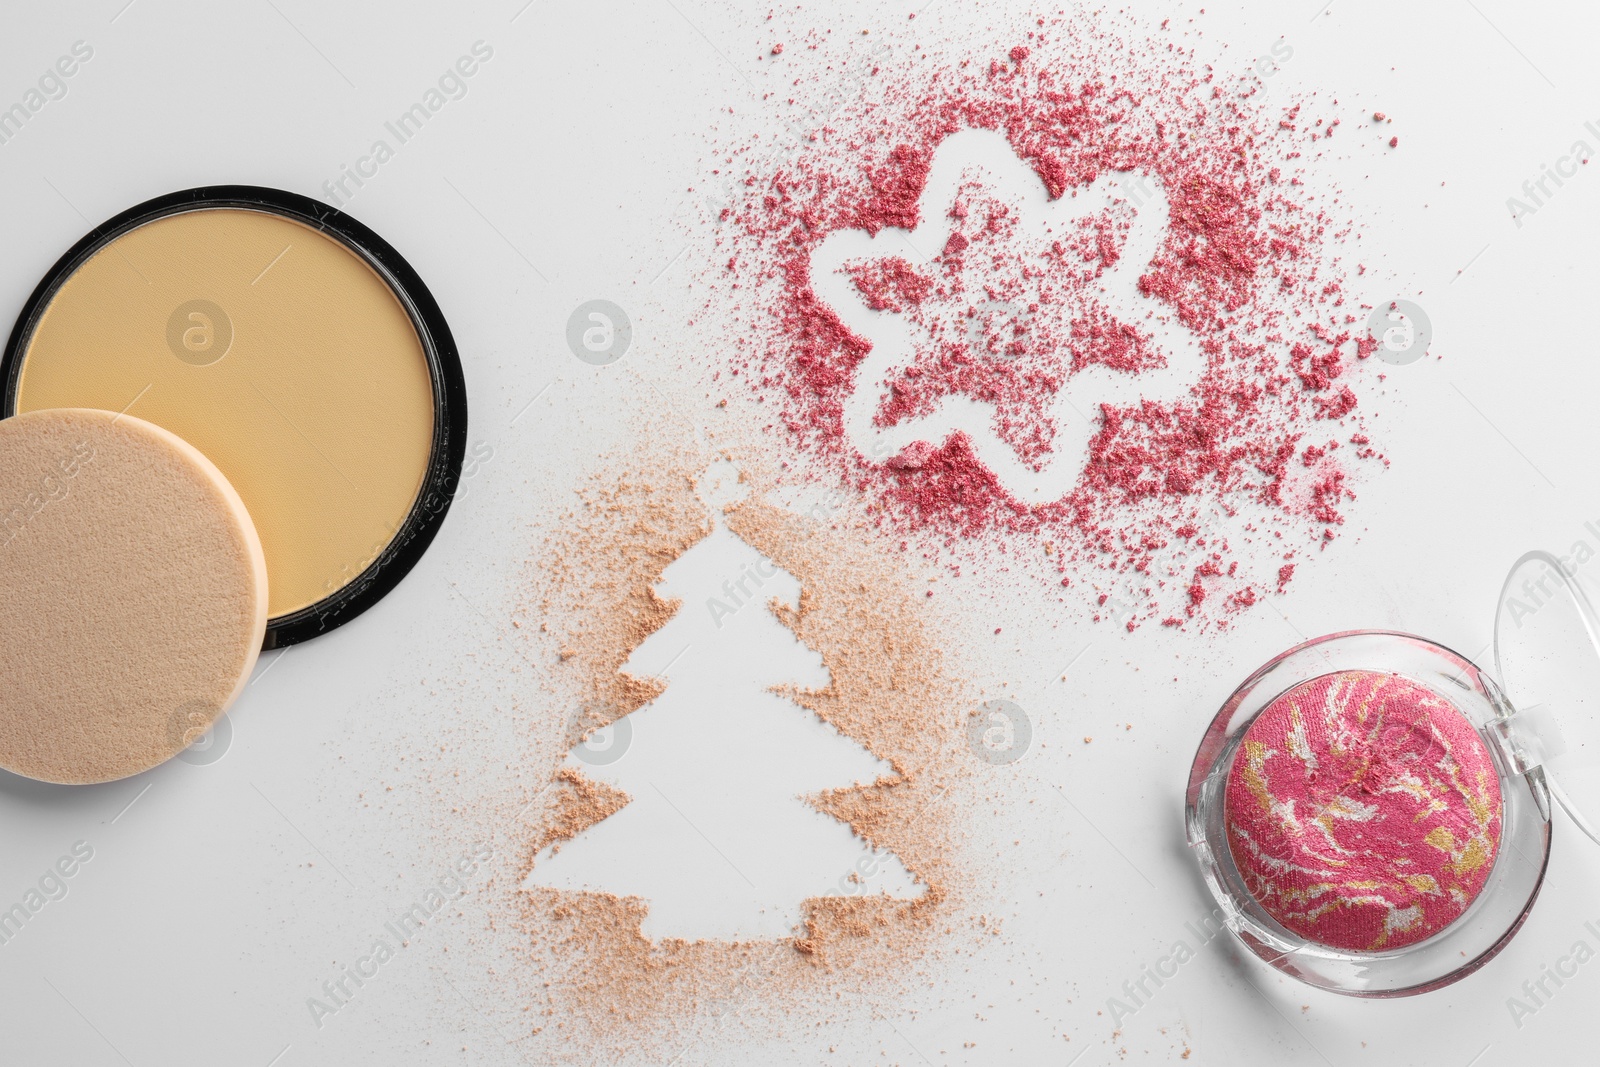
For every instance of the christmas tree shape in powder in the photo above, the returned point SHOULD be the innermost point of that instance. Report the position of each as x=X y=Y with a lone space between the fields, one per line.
x=718 y=837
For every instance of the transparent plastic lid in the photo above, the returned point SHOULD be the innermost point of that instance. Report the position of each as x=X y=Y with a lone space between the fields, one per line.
x=1547 y=658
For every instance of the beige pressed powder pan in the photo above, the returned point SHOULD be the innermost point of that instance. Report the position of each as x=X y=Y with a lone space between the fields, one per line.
x=293 y=347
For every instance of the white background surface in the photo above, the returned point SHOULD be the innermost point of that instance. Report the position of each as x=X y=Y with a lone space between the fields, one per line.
x=215 y=901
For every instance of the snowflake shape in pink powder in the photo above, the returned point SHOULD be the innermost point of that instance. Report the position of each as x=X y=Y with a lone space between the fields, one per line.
x=1006 y=316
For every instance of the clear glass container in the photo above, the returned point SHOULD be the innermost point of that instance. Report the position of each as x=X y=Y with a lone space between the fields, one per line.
x=1544 y=738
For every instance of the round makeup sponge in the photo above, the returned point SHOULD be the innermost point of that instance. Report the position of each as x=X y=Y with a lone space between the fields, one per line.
x=1363 y=810
x=133 y=595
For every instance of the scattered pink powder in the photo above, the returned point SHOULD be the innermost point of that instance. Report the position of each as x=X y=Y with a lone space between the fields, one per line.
x=1363 y=810
x=1251 y=264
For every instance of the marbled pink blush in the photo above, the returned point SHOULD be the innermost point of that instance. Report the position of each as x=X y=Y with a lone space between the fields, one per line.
x=1363 y=811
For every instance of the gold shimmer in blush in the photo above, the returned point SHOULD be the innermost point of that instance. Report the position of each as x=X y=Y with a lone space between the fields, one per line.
x=1363 y=811
x=134 y=592
x=274 y=349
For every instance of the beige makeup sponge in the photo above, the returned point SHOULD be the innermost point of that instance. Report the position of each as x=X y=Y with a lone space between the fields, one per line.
x=133 y=595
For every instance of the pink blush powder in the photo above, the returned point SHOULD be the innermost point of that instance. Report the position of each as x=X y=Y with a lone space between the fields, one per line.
x=1363 y=811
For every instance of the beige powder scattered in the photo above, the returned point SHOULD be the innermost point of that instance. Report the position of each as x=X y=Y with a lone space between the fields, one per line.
x=603 y=592
x=607 y=990
x=580 y=803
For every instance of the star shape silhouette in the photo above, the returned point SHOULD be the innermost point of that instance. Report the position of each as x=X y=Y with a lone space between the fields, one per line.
x=1006 y=316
